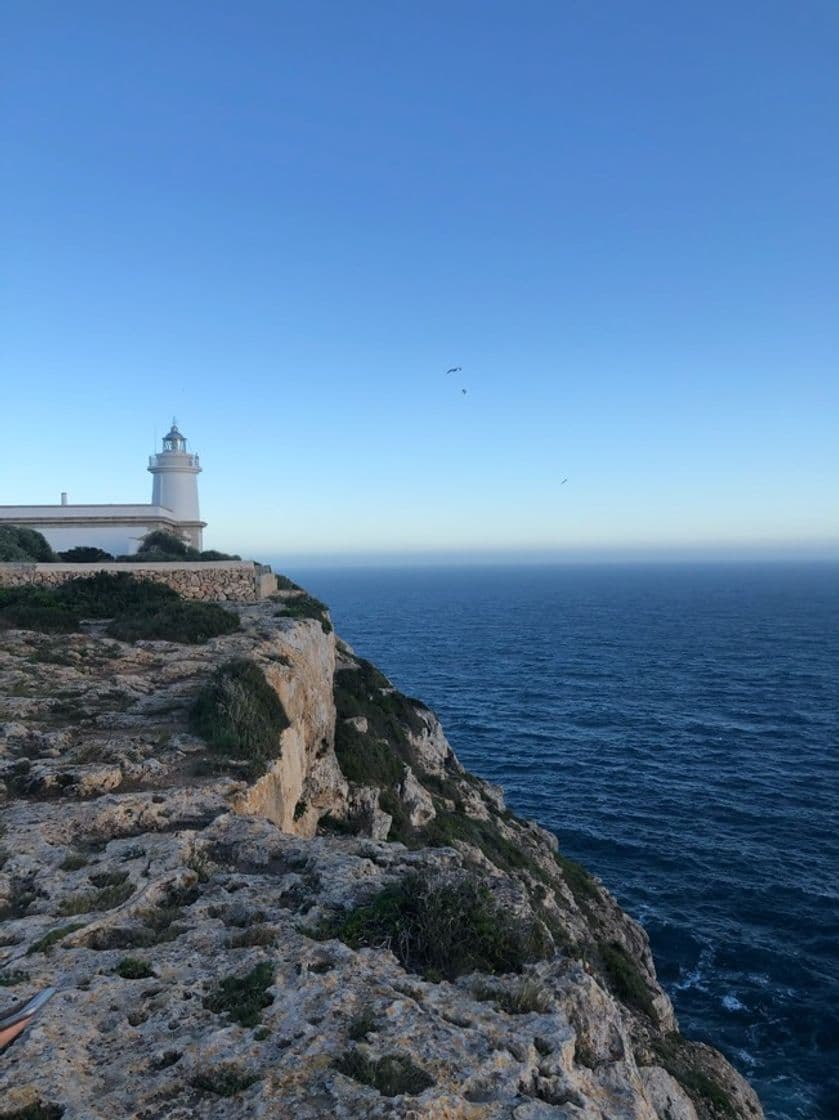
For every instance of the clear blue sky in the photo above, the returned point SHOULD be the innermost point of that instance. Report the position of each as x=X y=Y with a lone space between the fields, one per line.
x=284 y=221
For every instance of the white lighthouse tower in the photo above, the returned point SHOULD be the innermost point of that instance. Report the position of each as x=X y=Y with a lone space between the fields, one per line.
x=175 y=471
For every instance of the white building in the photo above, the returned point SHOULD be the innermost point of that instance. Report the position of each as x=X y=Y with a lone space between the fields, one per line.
x=120 y=528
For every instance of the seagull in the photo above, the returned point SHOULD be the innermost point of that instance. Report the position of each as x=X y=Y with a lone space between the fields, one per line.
x=463 y=391
x=563 y=482
x=454 y=369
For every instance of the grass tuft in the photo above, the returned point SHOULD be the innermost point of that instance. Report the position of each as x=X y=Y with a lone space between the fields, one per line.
x=392 y=1076
x=130 y=968
x=242 y=998
x=224 y=1080
x=45 y=944
x=105 y=899
x=528 y=996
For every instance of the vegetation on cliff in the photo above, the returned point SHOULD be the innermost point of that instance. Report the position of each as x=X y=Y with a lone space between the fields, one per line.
x=495 y=938
x=241 y=718
x=443 y=929
x=136 y=609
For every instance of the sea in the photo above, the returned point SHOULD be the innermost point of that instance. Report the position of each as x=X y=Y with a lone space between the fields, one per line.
x=677 y=727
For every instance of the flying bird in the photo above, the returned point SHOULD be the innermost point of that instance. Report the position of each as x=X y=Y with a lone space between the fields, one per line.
x=563 y=482
x=454 y=369
x=463 y=391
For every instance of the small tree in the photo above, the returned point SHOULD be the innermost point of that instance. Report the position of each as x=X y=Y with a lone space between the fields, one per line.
x=18 y=543
x=160 y=540
x=84 y=555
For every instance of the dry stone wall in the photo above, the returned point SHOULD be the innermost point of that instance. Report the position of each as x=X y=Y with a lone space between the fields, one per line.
x=212 y=581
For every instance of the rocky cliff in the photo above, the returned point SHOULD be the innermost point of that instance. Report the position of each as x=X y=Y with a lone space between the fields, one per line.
x=347 y=924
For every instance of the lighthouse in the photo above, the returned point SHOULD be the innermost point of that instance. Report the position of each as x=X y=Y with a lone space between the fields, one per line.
x=175 y=471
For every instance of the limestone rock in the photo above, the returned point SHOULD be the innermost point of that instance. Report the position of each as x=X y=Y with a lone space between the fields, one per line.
x=145 y=885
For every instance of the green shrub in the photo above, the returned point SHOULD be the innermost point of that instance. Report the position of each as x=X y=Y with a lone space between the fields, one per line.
x=444 y=929
x=130 y=968
x=107 y=878
x=45 y=944
x=224 y=1080
x=242 y=998
x=254 y=935
x=392 y=1075
x=365 y=758
x=447 y=827
x=36 y=608
x=675 y=1054
x=306 y=606
x=212 y=554
x=376 y=756
x=625 y=978
x=160 y=541
x=73 y=861
x=240 y=717
x=88 y=901
x=361 y=1025
x=190 y=623
x=17 y=543
x=43 y=619
x=107 y=594
x=580 y=883
x=35 y=1111
x=84 y=555
x=528 y=996
x=364 y=691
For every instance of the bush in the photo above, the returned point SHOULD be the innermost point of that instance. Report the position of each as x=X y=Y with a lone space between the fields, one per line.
x=240 y=717
x=35 y=1111
x=444 y=929
x=361 y=1025
x=45 y=943
x=47 y=618
x=225 y=1080
x=580 y=883
x=190 y=623
x=84 y=555
x=684 y=1062
x=105 y=899
x=392 y=1075
x=106 y=594
x=161 y=542
x=306 y=606
x=625 y=978
x=242 y=998
x=17 y=543
x=130 y=968
x=212 y=554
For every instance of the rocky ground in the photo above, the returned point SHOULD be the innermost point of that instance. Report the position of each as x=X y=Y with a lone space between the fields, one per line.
x=197 y=919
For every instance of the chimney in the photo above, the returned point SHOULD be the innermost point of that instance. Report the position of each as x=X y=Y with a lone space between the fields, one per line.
x=64 y=497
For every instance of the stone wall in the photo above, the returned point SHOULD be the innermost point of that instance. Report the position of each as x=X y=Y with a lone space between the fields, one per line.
x=216 y=581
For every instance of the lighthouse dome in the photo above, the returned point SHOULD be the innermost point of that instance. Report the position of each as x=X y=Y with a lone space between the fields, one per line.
x=174 y=440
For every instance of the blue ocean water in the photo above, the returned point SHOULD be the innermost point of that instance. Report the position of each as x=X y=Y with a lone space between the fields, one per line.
x=678 y=728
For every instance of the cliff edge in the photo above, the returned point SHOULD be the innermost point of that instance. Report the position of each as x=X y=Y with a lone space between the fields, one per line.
x=263 y=885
